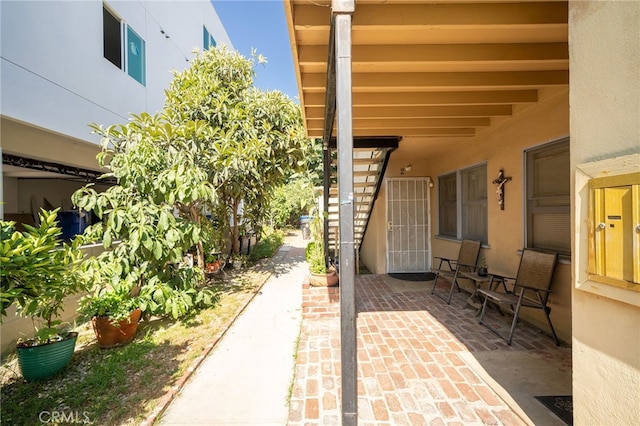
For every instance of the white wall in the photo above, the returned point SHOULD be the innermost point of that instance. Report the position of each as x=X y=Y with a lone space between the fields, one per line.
x=54 y=74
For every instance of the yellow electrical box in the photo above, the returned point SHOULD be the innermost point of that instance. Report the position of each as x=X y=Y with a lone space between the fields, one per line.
x=614 y=230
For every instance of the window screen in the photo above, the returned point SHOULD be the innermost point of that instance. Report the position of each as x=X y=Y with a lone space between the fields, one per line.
x=447 y=193
x=112 y=37
x=474 y=203
x=548 y=197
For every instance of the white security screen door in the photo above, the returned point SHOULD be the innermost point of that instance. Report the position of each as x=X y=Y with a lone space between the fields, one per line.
x=408 y=218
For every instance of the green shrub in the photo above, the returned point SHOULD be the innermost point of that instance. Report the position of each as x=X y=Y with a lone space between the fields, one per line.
x=315 y=257
x=309 y=250
x=291 y=201
x=267 y=246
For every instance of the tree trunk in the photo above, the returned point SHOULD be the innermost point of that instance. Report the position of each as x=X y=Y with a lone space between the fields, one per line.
x=196 y=218
x=234 y=230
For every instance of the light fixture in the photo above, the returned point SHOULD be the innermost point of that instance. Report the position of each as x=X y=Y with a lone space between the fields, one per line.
x=404 y=169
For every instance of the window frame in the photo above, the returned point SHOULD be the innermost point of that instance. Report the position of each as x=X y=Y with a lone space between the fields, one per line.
x=460 y=232
x=464 y=234
x=586 y=179
x=124 y=30
x=208 y=40
x=106 y=10
x=529 y=198
x=442 y=206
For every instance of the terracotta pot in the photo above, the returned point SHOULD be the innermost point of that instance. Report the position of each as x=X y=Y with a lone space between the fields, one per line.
x=330 y=279
x=213 y=267
x=111 y=336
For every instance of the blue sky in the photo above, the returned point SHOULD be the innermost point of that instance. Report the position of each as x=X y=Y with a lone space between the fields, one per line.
x=261 y=25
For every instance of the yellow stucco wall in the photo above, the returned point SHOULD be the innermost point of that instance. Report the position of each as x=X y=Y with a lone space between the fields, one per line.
x=370 y=255
x=502 y=146
x=605 y=124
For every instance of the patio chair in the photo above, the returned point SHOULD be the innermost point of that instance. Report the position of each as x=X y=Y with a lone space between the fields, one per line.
x=466 y=262
x=531 y=289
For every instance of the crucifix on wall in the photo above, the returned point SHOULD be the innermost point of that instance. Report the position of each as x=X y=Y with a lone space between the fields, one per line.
x=499 y=182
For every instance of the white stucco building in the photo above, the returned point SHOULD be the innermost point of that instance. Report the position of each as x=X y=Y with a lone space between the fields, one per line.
x=66 y=64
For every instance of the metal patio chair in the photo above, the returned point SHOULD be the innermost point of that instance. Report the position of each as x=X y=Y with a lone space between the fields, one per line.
x=531 y=289
x=466 y=262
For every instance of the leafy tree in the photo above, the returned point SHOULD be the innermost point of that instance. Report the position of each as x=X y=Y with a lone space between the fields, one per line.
x=155 y=174
x=254 y=139
x=315 y=162
x=290 y=201
x=217 y=144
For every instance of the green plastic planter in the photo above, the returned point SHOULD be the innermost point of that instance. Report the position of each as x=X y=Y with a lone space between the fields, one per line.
x=43 y=361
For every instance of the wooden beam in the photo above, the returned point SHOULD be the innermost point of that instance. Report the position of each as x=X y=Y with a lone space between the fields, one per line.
x=371 y=142
x=361 y=161
x=494 y=97
x=411 y=123
x=428 y=81
x=454 y=132
x=421 y=111
x=451 y=53
x=429 y=15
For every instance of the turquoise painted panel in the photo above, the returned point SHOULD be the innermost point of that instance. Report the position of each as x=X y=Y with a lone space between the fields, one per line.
x=135 y=56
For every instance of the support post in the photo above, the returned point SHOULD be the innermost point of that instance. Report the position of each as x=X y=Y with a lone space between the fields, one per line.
x=342 y=11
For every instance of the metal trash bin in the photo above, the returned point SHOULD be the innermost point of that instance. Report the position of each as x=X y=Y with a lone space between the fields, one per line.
x=305 y=226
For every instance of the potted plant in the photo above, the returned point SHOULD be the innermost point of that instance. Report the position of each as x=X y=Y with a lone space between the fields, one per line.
x=39 y=271
x=483 y=269
x=114 y=313
x=239 y=260
x=321 y=274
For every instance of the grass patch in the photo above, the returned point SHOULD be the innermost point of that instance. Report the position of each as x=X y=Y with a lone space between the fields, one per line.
x=122 y=386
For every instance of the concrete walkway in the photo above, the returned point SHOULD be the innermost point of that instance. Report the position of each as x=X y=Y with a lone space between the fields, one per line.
x=246 y=378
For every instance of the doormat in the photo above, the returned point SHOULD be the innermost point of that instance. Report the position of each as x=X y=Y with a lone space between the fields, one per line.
x=560 y=405
x=413 y=276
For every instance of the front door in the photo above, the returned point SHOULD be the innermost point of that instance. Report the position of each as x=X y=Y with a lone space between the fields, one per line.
x=408 y=218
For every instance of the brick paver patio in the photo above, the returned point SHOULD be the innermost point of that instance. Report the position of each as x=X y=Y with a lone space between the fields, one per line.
x=412 y=359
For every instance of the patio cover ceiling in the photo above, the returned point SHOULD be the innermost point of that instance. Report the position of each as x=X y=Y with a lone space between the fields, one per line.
x=436 y=72
x=432 y=69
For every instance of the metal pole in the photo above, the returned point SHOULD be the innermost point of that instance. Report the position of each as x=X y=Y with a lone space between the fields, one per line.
x=342 y=10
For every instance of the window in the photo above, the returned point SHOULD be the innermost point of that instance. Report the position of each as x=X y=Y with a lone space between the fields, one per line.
x=548 y=197
x=135 y=56
x=208 y=40
x=116 y=41
x=448 y=205
x=474 y=203
x=112 y=37
x=463 y=204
